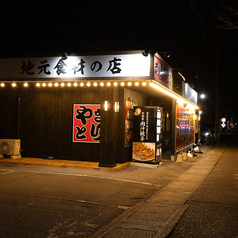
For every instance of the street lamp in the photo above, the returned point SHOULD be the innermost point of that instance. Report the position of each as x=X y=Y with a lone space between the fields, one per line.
x=202 y=96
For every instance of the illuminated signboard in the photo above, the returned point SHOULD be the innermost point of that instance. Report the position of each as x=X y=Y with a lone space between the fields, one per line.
x=161 y=73
x=86 y=123
x=185 y=127
x=147 y=134
x=189 y=93
x=123 y=65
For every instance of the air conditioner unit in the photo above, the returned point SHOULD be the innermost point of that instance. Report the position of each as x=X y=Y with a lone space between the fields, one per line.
x=11 y=147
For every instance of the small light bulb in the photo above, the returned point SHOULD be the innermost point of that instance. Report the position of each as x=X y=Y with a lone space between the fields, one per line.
x=129 y=84
x=115 y=84
x=102 y=84
x=62 y=84
x=144 y=84
x=25 y=84
x=122 y=84
x=14 y=85
x=88 y=84
x=75 y=84
x=2 y=85
x=82 y=84
x=95 y=84
x=43 y=84
x=69 y=84
x=50 y=84
x=108 y=84
x=136 y=83
x=38 y=85
x=56 y=84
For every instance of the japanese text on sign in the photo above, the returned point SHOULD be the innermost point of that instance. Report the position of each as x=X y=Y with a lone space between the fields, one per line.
x=147 y=126
x=63 y=68
x=86 y=123
x=127 y=65
x=142 y=127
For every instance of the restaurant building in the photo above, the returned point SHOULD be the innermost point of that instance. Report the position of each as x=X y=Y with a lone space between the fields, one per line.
x=97 y=107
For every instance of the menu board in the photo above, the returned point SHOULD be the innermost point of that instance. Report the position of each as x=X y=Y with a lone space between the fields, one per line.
x=184 y=126
x=147 y=134
x=159 y=125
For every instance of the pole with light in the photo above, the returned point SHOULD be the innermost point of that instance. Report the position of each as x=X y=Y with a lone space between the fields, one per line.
x=202 y=96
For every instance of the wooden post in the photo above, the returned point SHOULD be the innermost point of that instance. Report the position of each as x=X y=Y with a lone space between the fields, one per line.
x=108 y=127
x=173 y=130
x=18 y=117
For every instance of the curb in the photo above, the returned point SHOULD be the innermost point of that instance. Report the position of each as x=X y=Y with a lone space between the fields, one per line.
x=109 y=226
x=169 y=228
x=54 y=163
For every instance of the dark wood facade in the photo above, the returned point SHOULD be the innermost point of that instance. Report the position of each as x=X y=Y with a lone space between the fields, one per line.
x=46 y=121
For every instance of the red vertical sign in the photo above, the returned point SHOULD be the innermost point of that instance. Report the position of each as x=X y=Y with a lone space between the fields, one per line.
x=162 y=73
x=86 y=123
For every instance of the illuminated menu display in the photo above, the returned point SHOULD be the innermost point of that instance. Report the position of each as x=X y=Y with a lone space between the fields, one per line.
x=184 y=127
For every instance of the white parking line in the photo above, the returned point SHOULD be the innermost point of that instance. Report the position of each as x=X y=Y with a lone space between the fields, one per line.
x=8 y=171
x=83 y=175
x=100 y=177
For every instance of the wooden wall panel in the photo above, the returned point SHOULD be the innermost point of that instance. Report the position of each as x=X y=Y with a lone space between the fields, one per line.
x=46 y=121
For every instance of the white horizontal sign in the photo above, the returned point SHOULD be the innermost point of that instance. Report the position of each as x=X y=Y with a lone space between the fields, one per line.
x=124 y=65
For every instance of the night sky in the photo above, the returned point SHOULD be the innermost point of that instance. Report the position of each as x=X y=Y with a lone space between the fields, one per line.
x=185 y=29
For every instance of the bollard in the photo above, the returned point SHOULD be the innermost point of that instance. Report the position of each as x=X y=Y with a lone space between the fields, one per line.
x=179 y=158
x=185 y=156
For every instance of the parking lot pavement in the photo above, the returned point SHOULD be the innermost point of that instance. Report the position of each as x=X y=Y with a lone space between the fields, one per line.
x=157 y=216
x=57 y=201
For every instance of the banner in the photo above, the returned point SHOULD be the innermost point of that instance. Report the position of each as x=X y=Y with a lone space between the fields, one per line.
x=147 y=134
x=86 y=123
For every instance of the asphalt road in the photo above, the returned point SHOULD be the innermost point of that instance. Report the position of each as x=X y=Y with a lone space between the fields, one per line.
x=213 y=208
x=61 y=202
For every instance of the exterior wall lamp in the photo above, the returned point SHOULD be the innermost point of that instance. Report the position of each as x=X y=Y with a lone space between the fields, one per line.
x=116 y=107
x=65 y=55
x=106 y=106
x=146 y=52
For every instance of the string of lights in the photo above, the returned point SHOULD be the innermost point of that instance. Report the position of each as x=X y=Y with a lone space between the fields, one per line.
x=62 y=84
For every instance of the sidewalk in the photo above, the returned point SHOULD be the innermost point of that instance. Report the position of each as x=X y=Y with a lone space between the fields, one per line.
x=62 y=163
x=157 y=216
x=71 y=163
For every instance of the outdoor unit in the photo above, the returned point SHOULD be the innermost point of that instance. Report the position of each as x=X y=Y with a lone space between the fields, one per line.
x=11 y=147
